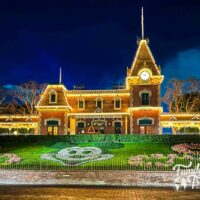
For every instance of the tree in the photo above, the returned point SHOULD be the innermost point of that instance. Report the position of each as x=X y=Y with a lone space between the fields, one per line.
x=183 y=96
x=3 y=105
x=26 y=96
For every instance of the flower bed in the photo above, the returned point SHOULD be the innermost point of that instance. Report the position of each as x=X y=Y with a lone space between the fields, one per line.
x=9 y=158
x=184 y=152
x=191 y=149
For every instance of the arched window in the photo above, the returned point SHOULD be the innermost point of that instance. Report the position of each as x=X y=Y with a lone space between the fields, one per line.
x=117 y=103
x=99 y=103
x=81 y=104
x=53 y=97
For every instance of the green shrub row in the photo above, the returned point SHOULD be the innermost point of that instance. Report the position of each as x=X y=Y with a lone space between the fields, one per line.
x=134 y=138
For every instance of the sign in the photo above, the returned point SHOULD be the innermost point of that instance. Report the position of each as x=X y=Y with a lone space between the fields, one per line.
x=98 y=116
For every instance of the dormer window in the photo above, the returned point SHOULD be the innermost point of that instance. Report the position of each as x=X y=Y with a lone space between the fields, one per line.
x=81 y=104
x=117 y=103
x=99 y=103
x=53 y=97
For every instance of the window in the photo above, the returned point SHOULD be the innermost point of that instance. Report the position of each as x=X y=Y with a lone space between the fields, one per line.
x=117 y=103
x=53 y=97
x=145 y=98
x=145 y=122
x=81 y=104
x=99 y=103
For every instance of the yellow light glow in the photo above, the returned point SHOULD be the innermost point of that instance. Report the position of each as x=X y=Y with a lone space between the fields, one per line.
x=145 y=108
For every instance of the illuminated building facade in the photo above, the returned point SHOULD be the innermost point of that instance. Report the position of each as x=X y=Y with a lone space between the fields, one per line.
x=134 y=109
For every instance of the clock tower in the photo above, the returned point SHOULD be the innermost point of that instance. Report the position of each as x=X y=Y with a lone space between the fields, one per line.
x=143 y=81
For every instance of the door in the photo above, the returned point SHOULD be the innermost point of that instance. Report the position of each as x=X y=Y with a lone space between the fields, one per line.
x=145 y=126
x=52 y=127
x=117 y=127
x=145 y=129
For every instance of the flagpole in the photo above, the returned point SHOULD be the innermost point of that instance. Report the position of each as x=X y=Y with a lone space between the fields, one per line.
x=142 y=23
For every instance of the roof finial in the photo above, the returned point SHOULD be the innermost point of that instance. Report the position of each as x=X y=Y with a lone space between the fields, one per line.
x=142 y=23
x=60 y=76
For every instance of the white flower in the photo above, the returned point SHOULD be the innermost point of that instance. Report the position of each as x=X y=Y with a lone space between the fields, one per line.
x=74 y=156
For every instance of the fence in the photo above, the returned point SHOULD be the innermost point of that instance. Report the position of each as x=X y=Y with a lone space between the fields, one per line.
x=53 y=162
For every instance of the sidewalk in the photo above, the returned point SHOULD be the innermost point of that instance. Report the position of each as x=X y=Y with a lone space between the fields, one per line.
x=88 y=178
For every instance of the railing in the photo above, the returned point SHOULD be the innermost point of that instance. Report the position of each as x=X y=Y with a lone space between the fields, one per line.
x=32 y=161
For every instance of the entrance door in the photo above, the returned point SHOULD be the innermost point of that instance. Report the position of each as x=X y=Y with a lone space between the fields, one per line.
x=145 y=126
x=145 y=129
x=117 y=127
x=52 y=130
x=52 y=127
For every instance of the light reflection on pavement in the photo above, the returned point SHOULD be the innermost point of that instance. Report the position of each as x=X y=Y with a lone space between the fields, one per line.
x=93 y=193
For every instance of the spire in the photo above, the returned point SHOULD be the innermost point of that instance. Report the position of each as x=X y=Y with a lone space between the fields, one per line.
x=60 y=76
x=142 y=23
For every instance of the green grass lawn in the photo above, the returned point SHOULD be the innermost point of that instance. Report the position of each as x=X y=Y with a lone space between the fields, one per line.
x=31 y=154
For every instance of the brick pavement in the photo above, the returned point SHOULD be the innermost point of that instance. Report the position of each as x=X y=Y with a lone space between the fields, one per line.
x=66 y=193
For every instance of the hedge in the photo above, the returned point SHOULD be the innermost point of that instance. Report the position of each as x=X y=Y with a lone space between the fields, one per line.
x=134 y=138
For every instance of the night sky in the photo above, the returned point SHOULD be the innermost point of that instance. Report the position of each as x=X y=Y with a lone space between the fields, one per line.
x=95 y=40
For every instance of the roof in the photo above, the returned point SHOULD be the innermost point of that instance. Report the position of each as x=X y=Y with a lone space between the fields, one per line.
x=61 y=97
x=144 y=58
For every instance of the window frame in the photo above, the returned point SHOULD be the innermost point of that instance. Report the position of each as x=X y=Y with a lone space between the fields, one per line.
x=149 y=97
x=101 y=100
x=83 y=100
x=53 y=92
x=120 y=101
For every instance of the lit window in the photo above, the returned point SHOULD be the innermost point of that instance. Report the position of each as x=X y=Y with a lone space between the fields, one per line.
x=145 y=99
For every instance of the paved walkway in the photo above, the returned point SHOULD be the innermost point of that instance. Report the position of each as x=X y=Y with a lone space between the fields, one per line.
x=103 y=178
x=65 y=193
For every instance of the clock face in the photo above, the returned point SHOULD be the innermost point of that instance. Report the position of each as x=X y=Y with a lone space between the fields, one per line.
x=144 y=75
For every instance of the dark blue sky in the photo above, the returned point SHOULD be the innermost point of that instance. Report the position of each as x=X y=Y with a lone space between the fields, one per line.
x=95 y=40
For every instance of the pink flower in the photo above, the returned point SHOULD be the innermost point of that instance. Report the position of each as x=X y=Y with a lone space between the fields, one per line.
x=170 y=162
x=148 y=164
x=188 y=157
x=172 y=156
x=159 y=164
x=186 y=148
x=12 y=158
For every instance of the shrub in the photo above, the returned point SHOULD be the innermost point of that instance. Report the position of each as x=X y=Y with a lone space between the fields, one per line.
x=60 y=145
